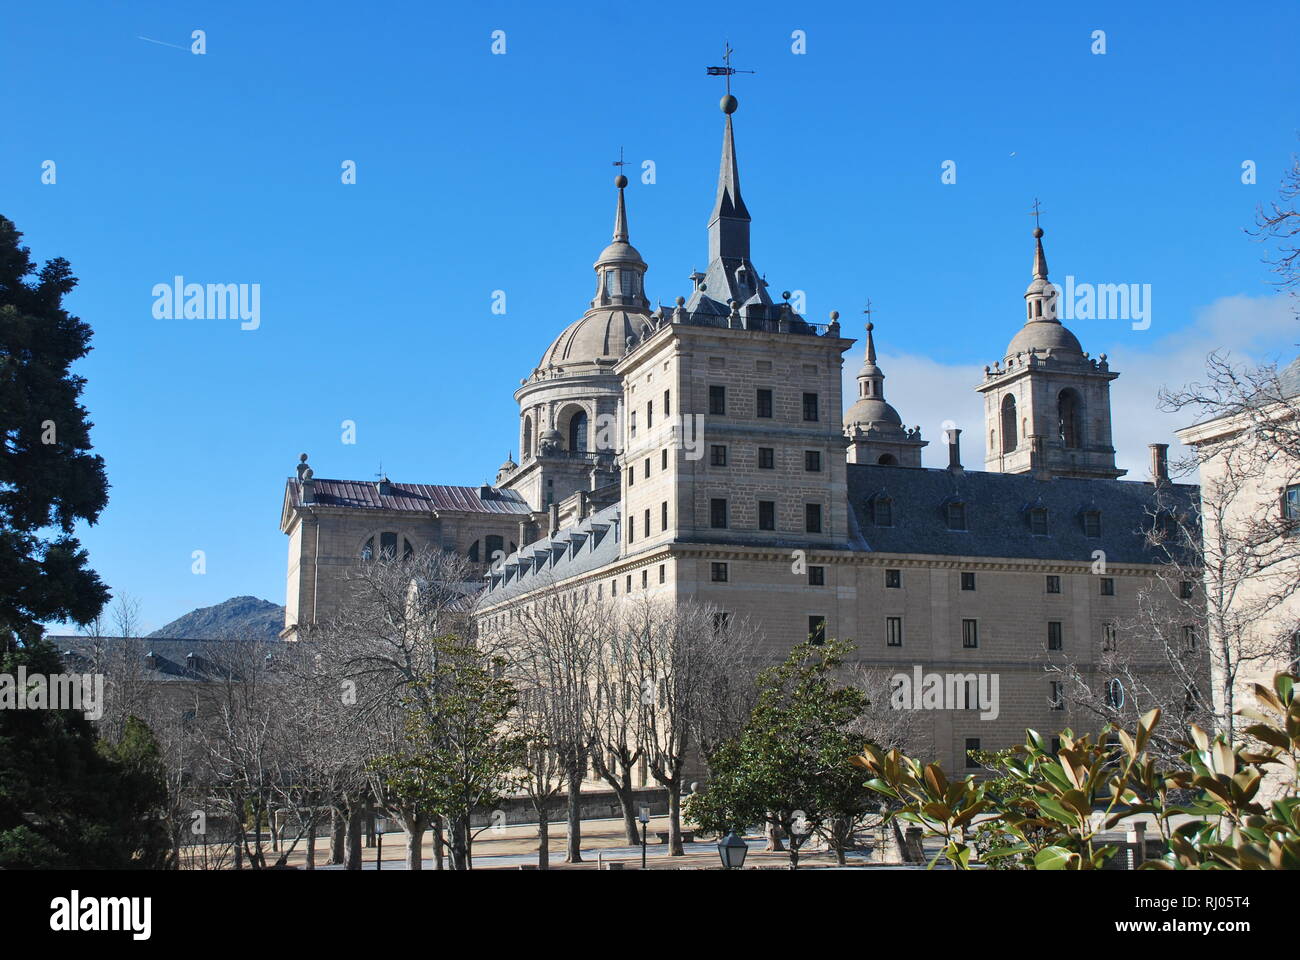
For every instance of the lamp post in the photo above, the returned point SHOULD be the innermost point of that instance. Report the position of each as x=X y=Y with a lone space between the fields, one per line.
x=732 y=849
x=379 y=848
x=644 y=818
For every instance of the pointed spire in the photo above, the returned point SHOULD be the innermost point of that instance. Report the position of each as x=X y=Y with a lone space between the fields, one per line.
x=871 y=344
x=1040 y=259
x=620 y=216
x=729 y=224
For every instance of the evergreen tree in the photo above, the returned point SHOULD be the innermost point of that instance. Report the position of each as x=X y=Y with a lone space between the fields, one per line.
x=48 y=478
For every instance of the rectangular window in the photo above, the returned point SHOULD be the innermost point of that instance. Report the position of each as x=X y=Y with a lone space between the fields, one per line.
x=667 y=410
x=718 y=514
x=646 y=471
x=718 y=401
x=1053 y=583
x=1108 y=586
x=1092 y=524
x=1291 y=502
x=1108 y=636
x=663 y=515
x=967 y=580
x=893 y=631
x=970 y=635
x=661 y=573
x=816 y=576
x=764 y=406
x=812 y=517
x=645 y=579
x=1038 y=522
x=1054 y=635
x=882 y=512
x=894 y=579
x=649 y=414
x=1057 y=696
x=629 y=583
x=663 y=459
x=631 y=529
x=810 y=407
x=767 y=514
x=766 y=458
x=718 y=455
x=812 y=461
x=718 y=572
x=1189 y=637
x=972 y=748
x=646 y=527
x=632 y=423
x=816 y=631
x=631 y=476
x=613 y=588
x=1186 y=590
x=956 y=516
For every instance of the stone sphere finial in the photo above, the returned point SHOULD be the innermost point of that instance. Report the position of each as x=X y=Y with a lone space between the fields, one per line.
x=728 y=104
x=835 y=314
x=1038 y=233
x=785 y=294
x=302 y=457
x=620 y=181
x=680 y=301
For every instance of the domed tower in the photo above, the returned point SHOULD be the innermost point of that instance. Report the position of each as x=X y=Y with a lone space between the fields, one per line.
x=1047 y=403
x=875 y=430
x=569 y=404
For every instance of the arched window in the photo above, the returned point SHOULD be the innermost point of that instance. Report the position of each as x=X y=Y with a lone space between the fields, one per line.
x=578 y=432
x=1071 y=426
x=387 y=543
x=887 y=460
x=528 y=438
x=495 y=548
x=1008 y=423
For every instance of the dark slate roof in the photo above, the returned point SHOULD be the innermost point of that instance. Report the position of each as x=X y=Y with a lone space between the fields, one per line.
x=578 y=549
x=417 y=497
x=997 y=514
x=171 y=658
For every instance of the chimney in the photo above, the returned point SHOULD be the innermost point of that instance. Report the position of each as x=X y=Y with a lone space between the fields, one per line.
x=582 y=504
x=383 y=487
x=1159 y=462
x=553 y=520
x=523 y=532
x=954 y=449
x=1038 y=458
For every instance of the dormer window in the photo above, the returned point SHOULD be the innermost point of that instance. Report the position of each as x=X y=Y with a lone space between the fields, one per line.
x=956 y=515
x=1038 y=521
x=387 y=543
x=1092 y=523
x=882 y=511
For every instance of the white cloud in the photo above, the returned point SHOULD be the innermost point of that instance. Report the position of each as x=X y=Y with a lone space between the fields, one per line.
x=927 y=393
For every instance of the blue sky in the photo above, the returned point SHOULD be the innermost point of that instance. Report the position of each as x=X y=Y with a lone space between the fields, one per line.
x=479 y=172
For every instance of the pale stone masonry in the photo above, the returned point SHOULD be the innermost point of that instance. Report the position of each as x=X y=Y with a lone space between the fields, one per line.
x=704 y=451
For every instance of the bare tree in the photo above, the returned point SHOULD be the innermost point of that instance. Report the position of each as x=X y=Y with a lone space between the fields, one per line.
x=1279 y=224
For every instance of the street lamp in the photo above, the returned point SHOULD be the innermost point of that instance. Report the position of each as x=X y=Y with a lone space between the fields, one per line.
x=732 y=850
x=645 y=822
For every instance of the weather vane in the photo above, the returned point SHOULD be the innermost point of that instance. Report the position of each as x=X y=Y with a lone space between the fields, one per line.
x=620 y=162
x=727 y=71
x=868 y=311
x=1035 y=212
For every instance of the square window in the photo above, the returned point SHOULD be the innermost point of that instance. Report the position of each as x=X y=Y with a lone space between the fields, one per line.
x=893 y=579
x=817 y=576
x=718 y=514
x=893 y=631
x=718 y=401
x=1053 y=583
x=1053 y=635
x=718 y=572
x=816 y=631
x=810 y=407
x=970 y=637
x=763 y=407
x=812 y=515
x=972 y=748
x=1108 y=586
x=767 y=514
x=967 y=580
x=718 y=455
x=766 y=458
x=812 y=461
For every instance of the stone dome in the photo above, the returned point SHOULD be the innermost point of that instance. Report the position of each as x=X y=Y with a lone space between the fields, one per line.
x=620 y=251
x=869 y=412
x=1045 y=336
x=598 y=335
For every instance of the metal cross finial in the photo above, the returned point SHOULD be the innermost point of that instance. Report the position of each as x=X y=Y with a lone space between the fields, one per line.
x=1035 y=212
x=868 y=311
x=727 y=71
x=620 y=162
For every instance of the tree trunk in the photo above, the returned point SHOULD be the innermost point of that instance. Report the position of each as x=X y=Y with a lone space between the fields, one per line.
x=438 y=862
x=773 y=833
x=457 y=841
x=675 y=818
x=415 y=828
x=338 y=840
x=311 y=842
x=543 y=839
x=352 y=846
x=627 y=799
x=573 y=845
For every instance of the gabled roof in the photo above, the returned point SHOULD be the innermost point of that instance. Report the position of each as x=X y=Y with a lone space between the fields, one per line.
x=415 y=497
x=579 y=549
